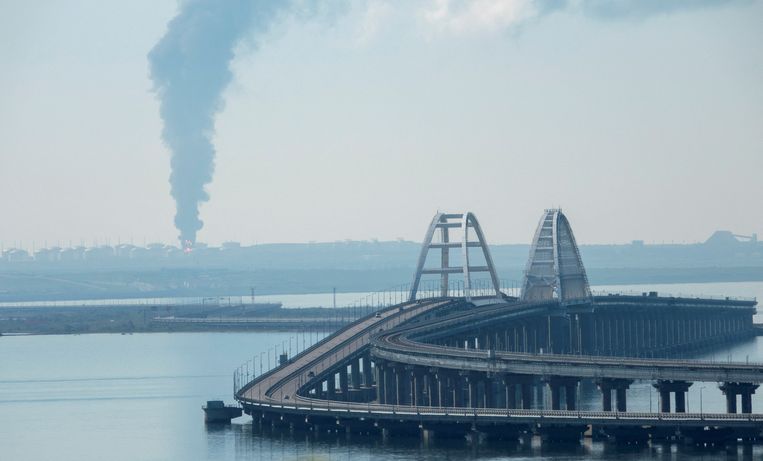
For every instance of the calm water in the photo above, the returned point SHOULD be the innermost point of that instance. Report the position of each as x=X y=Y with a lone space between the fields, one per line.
x=138 y=397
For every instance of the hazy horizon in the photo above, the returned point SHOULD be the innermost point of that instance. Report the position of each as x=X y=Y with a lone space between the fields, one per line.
x=32 y=245
x=642 y=121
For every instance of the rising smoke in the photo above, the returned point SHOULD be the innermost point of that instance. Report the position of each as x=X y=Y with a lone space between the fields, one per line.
x=190 y=69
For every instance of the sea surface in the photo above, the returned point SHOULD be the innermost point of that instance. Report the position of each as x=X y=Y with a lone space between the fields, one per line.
x=139 y=397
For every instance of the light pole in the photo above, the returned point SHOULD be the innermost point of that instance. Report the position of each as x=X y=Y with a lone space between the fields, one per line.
x=700 y=399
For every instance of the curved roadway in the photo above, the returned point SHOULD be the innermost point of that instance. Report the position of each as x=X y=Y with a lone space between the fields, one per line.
x=277 y=390
x=401 y=345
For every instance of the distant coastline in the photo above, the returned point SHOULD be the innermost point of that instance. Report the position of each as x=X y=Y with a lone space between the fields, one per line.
x=63 y=285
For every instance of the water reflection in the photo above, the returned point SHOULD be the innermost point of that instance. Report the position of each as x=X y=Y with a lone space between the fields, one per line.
x=249 y=441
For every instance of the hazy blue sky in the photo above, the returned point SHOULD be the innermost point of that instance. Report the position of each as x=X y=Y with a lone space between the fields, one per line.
x=642 y=121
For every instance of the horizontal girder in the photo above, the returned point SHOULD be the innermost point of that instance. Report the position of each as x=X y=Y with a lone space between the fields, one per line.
x=454 y=270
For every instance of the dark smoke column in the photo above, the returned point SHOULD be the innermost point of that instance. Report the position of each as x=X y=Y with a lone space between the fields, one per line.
x=190 y=68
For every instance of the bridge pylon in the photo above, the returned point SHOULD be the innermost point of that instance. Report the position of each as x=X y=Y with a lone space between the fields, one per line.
x=554 y=269
x=444 y=223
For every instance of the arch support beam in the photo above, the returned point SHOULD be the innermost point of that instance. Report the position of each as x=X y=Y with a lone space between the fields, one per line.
x=443 y=224
x=555 y=269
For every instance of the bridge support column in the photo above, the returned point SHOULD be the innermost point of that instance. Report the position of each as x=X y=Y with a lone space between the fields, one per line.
x=403 y=385
x=432 y=389
x=490 y=396
x=381 y=388
x=555 y=397
x=472 y=381
x=731 y=390
x=526 y=392
x=343 y=385
x=621 y=398
x=368 y=377
x=444 y=392
x=390 y=385
x=620 y=386
x=511 y=394
x=399 y=385
x=747 y=402
x=417 y=394
x=331 y=386
x=556 y=384
x=355 y=394
x=521 y=383
x=571 y=395
x=458 y=390
x=606 y=398
x=355 y=373
x=680 y=397
x=664 y=401
x=680 y=388
x=396 y=386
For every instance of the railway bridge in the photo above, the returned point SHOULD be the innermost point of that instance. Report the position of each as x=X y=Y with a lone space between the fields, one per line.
x=475 y=361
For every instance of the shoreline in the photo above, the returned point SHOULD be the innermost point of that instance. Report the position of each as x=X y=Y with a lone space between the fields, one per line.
x=44 y=286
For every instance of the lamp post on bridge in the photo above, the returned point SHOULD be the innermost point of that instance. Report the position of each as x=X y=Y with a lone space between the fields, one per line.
x=700 y=400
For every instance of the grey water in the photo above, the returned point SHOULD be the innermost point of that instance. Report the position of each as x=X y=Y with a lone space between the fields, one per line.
x=138 y=397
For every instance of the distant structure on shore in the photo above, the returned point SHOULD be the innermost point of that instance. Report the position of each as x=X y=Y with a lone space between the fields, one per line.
x=721 y=248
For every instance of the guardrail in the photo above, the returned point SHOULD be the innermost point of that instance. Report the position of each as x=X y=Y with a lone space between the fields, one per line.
x=324 y=406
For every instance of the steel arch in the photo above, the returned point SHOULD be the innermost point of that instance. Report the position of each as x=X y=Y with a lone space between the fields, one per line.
x=554 y=268
x=444 y=222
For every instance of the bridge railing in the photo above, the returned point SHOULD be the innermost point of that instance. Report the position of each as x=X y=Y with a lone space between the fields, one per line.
x=320 y=405
x=456 y=288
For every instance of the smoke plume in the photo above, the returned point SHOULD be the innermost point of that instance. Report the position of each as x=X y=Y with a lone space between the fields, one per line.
x=190 y=65
x=190 y=69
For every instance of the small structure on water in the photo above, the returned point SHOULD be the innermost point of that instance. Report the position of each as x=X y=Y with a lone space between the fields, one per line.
x=216 y=411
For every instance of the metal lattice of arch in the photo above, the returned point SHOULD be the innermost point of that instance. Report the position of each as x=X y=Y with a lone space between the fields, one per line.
x=444 y=222
x=554 y=269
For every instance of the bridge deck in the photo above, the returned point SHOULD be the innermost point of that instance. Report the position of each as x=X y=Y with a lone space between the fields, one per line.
x=277 y=390
x=401 y=346
x=283 y=382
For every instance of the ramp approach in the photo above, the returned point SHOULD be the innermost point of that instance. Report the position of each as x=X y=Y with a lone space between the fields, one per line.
x=455 y=361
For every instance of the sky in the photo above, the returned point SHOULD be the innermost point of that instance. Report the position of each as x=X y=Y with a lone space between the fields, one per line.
x=641 y=120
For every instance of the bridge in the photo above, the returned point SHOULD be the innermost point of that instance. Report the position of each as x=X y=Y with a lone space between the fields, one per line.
x=447 y=363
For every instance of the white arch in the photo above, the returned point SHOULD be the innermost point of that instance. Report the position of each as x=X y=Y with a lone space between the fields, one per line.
x=554 y=269
x=444 y=222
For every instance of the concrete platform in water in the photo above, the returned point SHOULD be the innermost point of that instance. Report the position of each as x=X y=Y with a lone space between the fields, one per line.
x=216 y=411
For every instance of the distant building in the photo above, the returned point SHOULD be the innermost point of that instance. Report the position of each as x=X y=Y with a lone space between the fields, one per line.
x=727 y=238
